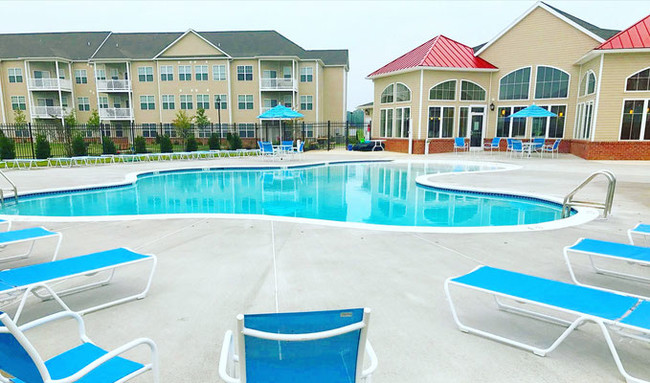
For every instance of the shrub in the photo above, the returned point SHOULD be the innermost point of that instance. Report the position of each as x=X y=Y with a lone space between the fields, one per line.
x=214 y=142
x=79 y=147
x=234 y=142
x=140 y=144
x=7 y=148
x=191 y=145
x=166 y=144
x=42 y=147
x=108 y=146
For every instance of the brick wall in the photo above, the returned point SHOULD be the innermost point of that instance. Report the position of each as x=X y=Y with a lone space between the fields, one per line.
x=435 y=146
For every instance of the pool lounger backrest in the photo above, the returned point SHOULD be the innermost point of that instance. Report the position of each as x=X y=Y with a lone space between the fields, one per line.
x=611 y=249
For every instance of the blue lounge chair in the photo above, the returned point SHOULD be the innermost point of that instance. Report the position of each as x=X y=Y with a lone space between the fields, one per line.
x=266 y=150
x=31 y=234
x=460 y=145
x=625 y=315
x=41 y=279
x=286 y=146
x=314 y=347
x=641 y=230
x=598 y=251
x=6 y=222
x=84 y=363
x=553 y=148
x=494 y=145
x=517 y=148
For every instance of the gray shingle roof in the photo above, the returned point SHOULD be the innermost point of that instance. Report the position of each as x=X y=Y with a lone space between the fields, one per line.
x=135 y=45
x=69 y=45
x=600 y=32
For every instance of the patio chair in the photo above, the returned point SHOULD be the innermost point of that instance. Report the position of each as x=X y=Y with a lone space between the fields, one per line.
x=315 y=347
x=286 y=146
x=599 y=251
x=509 y=144
x=553 y=148
x=31 y=235
x=299 y=150
x=460 y=145
x=86 y=362
x=266 y=150
x=517 y=148
x=611 y=312
x=496 y=141
x=538 y=144
x=40 y=280
x=640 y=230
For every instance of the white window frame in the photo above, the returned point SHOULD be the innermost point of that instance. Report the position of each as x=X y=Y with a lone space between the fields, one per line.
x=21 y=105
x=167 y=71
x=392 y=94
x=17 y=72
x=205 y=99
x=248 y=128
x=149 y=100
x=530 y=81
x=512 y=108
x=219 y=72
x=188 y=100
x=202 y=72
x=440 y=83
x=100 y=74
x=246 y=98
x=83 y=104
x=223 y=99
x=633 y=91
x=103 y=102
x=395 y=93
x=584 y=84
x=392 y=122
x=460 y=91
x=644 y=118
x=581 y=113
x=186 y=72
x=306 y=71
x=442 y=114
x=168 y=102
x=144 y=71
x=82 y=75
x=245 y=72
x=308 y=101
x=548 y=121
x=400 y=128
x=568 y=89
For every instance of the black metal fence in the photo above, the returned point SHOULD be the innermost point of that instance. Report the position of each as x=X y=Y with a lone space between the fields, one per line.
x=98 y=139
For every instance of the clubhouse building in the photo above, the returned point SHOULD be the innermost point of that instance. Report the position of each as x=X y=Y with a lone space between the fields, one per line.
x=597 y=82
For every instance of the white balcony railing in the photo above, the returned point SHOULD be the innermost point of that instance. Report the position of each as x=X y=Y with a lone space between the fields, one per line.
x=279 y=84
x=50 y=111
x=114 y=85
x=115 y=113
x=50 y=84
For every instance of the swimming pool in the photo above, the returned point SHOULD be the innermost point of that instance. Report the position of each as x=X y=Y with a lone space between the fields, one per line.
x=376 y=193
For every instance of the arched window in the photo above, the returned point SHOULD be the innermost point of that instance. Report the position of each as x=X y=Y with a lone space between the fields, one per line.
x=387 y=94
x=639 y=81
x=551 y=83
x=470 y=91
x=588 y=84
x=402 y=92
x=443 y=91
x=515 y=85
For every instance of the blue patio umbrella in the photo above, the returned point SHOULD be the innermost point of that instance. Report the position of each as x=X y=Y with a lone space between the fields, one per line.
x=532 y=111
x=280 y=113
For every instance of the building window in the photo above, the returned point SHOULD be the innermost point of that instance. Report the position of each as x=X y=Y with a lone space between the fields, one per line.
x=387 y=94
x=244 y=73
x=510 y=127
x=443 y=91
x=83 y=103
x=551 y=83
x=515 y=85
x=639 y=81
x=169 y=130
x=309 y=130
x=306 y=103
x=441 y=122
x=186 y=101
x=584 y=114
x=463 y=120
x=145 y=74
x=15 y=75
x=588 y=84
x=147 y=103
x=470 y=91
x=286 y=72
x=219 y=72
x=149 y=130
x=103 y=102
x=386 y=122
x=167 y=73
x=202 y=101
x=286 y=100
x=220 y=99
x=64 y=101
x=402 y=93
x=402 y=121
x=81 y=76
x=246 y=130
x=100 y=74
x=185 y=72
x=245 y=101
x=18 y=103
x=306 y=74
x=636 y=120
x=201 y=72
x=115 y=74
x=269 y=103
x=168 y=102
x=550 y=127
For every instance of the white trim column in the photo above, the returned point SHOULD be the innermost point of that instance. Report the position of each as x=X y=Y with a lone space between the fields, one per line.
x=72 y=86
x=28 y=77
x=592 y=134
x=2 y=100
x=230 y=105
x=58 y=81
x=128 y=74
x=420 y=117
x=317 y=68
x=158 y=79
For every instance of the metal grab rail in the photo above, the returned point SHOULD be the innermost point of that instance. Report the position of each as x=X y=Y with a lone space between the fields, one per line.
x=13 y=186
x=609 y=198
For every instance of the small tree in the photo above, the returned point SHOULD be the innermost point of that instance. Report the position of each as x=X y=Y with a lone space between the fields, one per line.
x=234 y=141
x=79 y=147
x=7 y=147
x=191 y=145
x=166 y=144
x=19 y=118
x=42 y=147
x=140 y=144
x=201 y=120
x=108 y=146
x=183 y=124
x=70 y=120
x=214 y=142
x=93 y=120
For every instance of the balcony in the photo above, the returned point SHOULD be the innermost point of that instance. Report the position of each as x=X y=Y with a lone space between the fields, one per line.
x=50 y=111
x=279 y=84
x=115 y=114
x=113 y=85
x=49 y=84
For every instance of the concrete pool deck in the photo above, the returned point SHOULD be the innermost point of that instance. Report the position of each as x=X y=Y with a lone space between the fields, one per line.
x=209 y=270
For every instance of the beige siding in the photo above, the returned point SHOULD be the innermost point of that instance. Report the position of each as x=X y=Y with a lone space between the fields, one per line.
x=308 y=89
x=84 y=90
x=334 y=94
x=193 y=46
x=411 y=80
x=145 y=88
x=13 y=89
x=244 y=88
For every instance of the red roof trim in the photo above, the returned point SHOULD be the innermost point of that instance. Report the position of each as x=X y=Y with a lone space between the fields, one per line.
x=636 y=36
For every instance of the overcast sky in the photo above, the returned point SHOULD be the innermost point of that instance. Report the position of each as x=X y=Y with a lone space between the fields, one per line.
x=375 y=32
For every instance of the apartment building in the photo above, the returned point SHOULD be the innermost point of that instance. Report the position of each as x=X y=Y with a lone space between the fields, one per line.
x=146 y=78
x=595 y=80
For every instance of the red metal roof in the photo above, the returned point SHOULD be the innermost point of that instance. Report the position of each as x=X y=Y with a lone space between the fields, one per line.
x=439 y=52
x=636 y=36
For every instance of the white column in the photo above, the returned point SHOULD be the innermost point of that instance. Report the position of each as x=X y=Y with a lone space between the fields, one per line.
x=130 y=93
x=229 y=95
x=58 y=82
x=29 y=92
x=592 y=134
x=317 y=69
x=2 y=102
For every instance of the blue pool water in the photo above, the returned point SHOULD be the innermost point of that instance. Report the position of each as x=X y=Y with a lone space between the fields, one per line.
x=382 y=193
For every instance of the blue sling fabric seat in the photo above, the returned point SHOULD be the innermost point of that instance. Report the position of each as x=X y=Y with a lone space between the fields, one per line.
x=31 y=234
x=641 y=230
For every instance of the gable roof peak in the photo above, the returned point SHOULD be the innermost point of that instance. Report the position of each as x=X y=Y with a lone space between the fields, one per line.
x=634 y=37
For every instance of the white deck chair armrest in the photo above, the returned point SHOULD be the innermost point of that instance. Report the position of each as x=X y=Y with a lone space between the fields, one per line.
x=227 y=346
x=110 y=355
x=373 y=361
x=81 y=327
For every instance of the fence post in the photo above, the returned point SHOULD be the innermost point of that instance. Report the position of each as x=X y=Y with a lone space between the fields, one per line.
x=328 y=134
x=31 y=139
x=347 y=134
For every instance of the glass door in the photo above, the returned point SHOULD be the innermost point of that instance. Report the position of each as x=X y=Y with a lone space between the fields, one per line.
x=476 y=121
